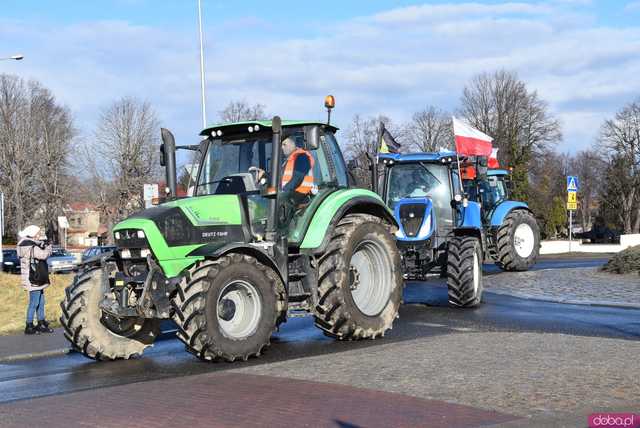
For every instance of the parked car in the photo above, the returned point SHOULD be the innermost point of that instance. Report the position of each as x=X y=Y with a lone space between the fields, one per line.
x=92 y=252
x=61 y=260
x=10 y=261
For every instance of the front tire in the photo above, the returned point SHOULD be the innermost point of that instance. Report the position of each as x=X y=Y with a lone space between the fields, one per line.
x=227 y=309
x=93 y=333
x=464 y=271
x=360 y=282
x=517 y=242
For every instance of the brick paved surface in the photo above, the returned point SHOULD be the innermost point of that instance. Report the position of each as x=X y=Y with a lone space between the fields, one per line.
x=576 y=285
x=526 y=374
x=240 y=400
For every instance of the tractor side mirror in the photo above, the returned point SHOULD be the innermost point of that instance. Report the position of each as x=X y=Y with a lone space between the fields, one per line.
x=312 y=137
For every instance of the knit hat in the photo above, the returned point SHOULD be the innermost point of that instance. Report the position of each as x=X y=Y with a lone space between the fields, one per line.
x=29 y=231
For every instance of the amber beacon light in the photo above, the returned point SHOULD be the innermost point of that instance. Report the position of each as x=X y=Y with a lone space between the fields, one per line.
x=329 y=103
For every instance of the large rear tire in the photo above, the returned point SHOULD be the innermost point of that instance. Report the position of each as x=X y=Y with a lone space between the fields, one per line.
x=227 y=309
x=95 y=334
x=464 y=271
x=360 y=280
x=517 y=242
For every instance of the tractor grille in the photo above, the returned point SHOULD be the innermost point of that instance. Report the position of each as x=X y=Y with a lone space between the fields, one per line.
x=411 y=216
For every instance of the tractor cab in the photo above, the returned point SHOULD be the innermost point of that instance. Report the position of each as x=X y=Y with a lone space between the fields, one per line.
x=490 y=190
x=237 y=160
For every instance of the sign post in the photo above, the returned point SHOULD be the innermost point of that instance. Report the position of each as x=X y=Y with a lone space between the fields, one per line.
x=573 y=185
x=149 y=193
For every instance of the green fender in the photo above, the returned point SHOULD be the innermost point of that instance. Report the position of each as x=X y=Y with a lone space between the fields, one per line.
x=336 y=206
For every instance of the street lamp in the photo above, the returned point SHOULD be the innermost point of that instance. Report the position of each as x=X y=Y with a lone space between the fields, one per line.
x=17 y=57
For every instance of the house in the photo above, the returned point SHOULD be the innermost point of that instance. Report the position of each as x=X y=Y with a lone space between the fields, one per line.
x=84 y=224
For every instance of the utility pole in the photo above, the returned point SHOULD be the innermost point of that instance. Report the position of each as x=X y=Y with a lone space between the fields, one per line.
x=204 y=111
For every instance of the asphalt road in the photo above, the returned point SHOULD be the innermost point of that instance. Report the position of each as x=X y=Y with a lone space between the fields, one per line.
x=425 y=314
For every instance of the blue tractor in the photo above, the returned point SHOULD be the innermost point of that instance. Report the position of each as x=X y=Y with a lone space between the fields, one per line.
x=440 y=228
x=511 y=230
x=449 y=220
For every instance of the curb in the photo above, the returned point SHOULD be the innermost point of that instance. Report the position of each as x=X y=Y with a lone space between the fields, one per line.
x=604 y=303
x=31 y=355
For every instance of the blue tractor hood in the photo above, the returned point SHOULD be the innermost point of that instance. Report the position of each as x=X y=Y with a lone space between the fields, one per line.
x=415 y=219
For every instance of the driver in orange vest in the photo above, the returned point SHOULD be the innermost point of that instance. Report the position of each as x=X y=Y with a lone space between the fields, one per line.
x=297 y=177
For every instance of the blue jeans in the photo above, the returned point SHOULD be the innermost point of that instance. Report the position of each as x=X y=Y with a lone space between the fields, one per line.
x=36 y=303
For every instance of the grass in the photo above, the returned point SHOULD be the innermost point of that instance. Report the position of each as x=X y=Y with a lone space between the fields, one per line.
x=14 y=300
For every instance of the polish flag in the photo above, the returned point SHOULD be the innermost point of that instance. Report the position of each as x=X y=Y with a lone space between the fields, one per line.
x=493 y=159
x=470 y=141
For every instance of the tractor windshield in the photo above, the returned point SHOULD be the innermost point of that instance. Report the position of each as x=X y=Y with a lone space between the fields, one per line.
x=226 y=164
x=411 y=180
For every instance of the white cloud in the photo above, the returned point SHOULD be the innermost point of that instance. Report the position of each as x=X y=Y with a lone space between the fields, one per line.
x=632 y=6
x=393 y=62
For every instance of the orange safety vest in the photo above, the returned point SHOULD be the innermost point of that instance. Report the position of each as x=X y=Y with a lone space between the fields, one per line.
x=307 y=186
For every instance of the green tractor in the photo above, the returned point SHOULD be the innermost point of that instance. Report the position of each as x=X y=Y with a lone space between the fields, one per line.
x=229 y=264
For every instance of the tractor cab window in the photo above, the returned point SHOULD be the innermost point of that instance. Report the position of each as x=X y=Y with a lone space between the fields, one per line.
x=420 y=180
x=329 y=172
x=493 y=191
x=226 y=165
x=412 y=180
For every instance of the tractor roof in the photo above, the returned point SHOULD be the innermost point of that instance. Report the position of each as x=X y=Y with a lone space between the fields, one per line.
x=242 y=127
x=418 y=157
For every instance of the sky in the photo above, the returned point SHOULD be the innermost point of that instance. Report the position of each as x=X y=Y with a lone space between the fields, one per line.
x=375 y=57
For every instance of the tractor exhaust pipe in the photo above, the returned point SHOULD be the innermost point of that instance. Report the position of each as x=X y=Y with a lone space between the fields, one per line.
x=168 y=160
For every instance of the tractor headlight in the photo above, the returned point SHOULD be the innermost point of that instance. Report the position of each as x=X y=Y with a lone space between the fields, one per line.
x=125 y=253
x=145 y=252
x=141 y=234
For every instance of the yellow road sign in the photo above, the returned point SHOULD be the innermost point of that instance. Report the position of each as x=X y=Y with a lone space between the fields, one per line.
x=572 y=206
x=572 y=197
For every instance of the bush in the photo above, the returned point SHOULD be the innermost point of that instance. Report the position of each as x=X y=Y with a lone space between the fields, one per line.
x=625 y=261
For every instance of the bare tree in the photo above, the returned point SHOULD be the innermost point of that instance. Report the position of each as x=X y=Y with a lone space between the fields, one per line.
x=35 y=142
x=238 y=111
x=620 y=142
x=430 y=130
x=519 y=121
x=363 y=135
x=124 y=157
x=589 y=166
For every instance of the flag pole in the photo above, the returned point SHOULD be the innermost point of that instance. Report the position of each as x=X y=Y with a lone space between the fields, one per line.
x=457 y=155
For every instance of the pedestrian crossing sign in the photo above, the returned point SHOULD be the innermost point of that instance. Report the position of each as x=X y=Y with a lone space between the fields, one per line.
x=572 y=183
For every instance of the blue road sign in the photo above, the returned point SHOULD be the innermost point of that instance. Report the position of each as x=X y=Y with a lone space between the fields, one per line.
x=573 y=184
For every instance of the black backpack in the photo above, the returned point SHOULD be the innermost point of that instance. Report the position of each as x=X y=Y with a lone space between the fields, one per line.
x=38 y=270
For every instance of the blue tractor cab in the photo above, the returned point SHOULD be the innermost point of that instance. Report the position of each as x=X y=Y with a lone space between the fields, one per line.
x=440 y=229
